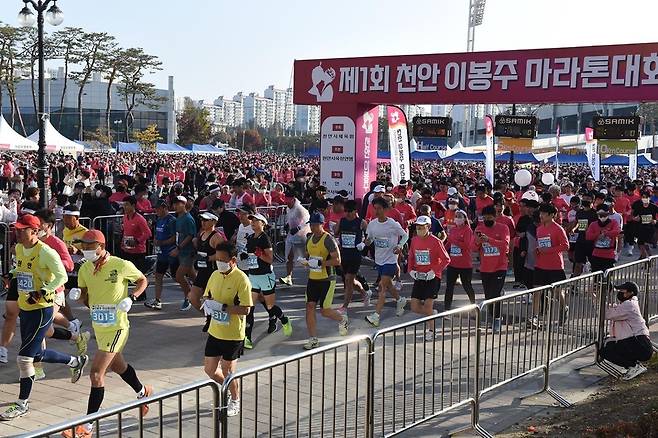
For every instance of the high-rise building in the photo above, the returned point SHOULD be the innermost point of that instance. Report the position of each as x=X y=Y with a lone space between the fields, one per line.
x=307 y=119
x=283 y=106
x=233 y=114
x=258 y=111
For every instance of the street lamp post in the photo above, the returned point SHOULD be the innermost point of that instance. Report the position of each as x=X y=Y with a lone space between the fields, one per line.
x=117 y=126
x=26 y=18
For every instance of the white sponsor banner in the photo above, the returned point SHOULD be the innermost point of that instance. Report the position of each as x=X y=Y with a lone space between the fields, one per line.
x=337 y=152
x=399 y=142
x=632 y=166
x=593 y=159
x=489 y=151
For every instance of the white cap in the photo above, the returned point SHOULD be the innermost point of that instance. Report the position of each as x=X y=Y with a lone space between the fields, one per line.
x=423 y=220
x=258 y=217
x=208 y=216
x=180 y=199
x=452 y=191
x=379 y=189
x=530 y=195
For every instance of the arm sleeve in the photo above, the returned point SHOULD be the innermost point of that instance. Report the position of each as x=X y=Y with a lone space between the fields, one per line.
x=49 y=259
x=617 y=313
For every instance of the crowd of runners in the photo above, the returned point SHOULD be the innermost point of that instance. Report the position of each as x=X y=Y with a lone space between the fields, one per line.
x=201 y=221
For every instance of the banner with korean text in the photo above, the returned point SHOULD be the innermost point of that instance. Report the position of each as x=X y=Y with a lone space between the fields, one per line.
x=489 y=151
x=593 y=157
x=399 y=142
x=614 y=73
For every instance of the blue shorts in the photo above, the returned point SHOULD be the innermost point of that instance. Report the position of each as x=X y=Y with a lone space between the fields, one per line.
x=34 y=325
x=388 y=270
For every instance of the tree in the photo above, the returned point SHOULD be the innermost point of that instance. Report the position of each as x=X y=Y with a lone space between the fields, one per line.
x=148 y=138
x=10 y=41
x=132 y=87
x=66 y=44
x=223 y=137
x=251 y=142
x=193 y=125
x=111 y=63
x=93 y=47
x=100 y=135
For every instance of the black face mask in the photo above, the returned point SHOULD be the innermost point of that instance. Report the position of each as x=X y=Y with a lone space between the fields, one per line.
x=621 y=297
x=488 y=223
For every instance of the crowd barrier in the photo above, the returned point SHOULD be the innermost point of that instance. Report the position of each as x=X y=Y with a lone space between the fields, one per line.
x=399 y=377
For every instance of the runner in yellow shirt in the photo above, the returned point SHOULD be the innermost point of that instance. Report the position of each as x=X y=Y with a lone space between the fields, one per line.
x=103 y=281
x=228 y=301
x=73 y=231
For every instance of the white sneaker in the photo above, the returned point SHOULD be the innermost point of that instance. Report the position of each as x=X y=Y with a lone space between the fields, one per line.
x=311 y=344
x=74 y=326
x=373 y=319
x=402 y=301
x=366 y=299
x=233 y=408
x=342 y=326
x=3 y=355
x=635 y=371
x=429 y=335
x=397 y=284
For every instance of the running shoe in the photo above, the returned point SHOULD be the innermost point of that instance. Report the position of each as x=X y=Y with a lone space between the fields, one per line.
x=366 y=298
x=342 y=326
x=82 y=342
x=14 y=410
x=39 y=373
x=76 y=372
x=402 y=301
x=634 y=371
x=373 y=319
x=154 y=304
x=148 y=391
x=80 y=432
x=286 y=280
x=74 y=326
x=3 y=355
x=429 y=335
x=287 y=328
x=233 y=408
x=248 y=344
x=397 y=284
x=185 y=305
x=311 y=344
x=272 y=326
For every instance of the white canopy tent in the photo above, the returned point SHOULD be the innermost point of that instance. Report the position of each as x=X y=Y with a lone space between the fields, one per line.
x=11 y=140
x=56 y=142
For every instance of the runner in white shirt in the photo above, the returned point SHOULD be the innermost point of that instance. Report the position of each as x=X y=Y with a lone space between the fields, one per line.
x=388 y=237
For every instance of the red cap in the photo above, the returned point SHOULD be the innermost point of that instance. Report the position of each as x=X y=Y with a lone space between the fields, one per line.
x=92 y=236
x=28 y=221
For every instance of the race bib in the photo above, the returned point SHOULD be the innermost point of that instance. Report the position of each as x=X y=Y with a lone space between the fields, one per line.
x=544 y=242
x=422 y=257
x=104 y=315
x=573 y=238
x=381 y=243
x=490 y=251
x=128 y=241
x=602 y=242
x=319 y=268
x=582 y=224
x=252 y=261
x=202 y=262
x=421 y=276
x=348 y=240
x=455 y=251
x=646 y=219
x=25 y=282
x=221 y=318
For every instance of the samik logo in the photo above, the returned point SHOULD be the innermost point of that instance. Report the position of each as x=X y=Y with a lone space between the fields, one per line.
x=336 y=149
x=321 y=80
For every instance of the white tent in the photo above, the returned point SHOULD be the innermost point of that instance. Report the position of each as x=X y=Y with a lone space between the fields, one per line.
x=56 y=142
x=11 y=140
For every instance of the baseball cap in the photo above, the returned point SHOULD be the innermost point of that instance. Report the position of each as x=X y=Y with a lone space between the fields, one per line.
x=530 y=195
x=71 y=210
x=258 y=217
x=214 y=188
x=180 y=199
x=208 y=216
x=28 y=221
x=316 y=218
x=379 y=189
x=630 y=286
x=246 y=208
x=92 y=236
x=423 y=220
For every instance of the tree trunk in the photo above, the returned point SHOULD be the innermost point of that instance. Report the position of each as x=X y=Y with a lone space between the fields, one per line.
x=66 y=82
x=20 y=118
x=108 y=106
x=80 y=127
x=34 y=96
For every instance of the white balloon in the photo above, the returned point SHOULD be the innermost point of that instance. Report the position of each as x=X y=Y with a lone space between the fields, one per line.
x=548 y=178
x=522 y=178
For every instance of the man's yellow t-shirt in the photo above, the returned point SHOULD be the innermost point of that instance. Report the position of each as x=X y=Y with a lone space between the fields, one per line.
x=105 y=289
x=71 y=235
x=233 y=289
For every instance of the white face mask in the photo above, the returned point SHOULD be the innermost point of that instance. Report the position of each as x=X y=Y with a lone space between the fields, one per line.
x=460 y=221
x=645 y=201
x=223 y=267
x=98 y=193
x=90 y=254
x=452 y=206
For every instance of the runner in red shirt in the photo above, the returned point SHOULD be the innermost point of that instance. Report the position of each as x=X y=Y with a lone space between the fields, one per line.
x=482 y=200
x=603 y=234
x=458 y=243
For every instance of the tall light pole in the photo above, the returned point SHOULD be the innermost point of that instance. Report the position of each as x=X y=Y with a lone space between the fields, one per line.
x=26 y=18
x=475 y=17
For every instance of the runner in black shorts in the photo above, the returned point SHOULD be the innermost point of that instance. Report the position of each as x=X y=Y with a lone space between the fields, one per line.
x=10 y=317
x=164 y=243
x=582 y=248
x=349 y=234
x=205 y=243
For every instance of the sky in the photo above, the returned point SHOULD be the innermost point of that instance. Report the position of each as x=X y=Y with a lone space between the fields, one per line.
x=220 y=47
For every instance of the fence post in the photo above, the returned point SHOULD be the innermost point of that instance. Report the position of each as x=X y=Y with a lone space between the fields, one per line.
x=216 y=399
x=549 y=345
x=220 y=409
x=475 y=415
x=647 y=296
x=370 y=397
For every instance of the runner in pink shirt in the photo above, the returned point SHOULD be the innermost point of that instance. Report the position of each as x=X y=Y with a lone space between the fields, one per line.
x=458 y=242
x=136 y=232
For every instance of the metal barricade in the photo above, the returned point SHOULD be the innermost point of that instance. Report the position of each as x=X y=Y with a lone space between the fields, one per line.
x=7 y=241
x=416 y=378
x=276 y=216
x=315 y=393
x=58 y=229
x=520 y=346
x=187 y=411
x=650 y=307
x=111 y=227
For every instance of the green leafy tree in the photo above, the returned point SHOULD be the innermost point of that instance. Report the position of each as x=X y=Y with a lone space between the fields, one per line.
x=65 y=45
x=148 y=137
x=193 y=125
